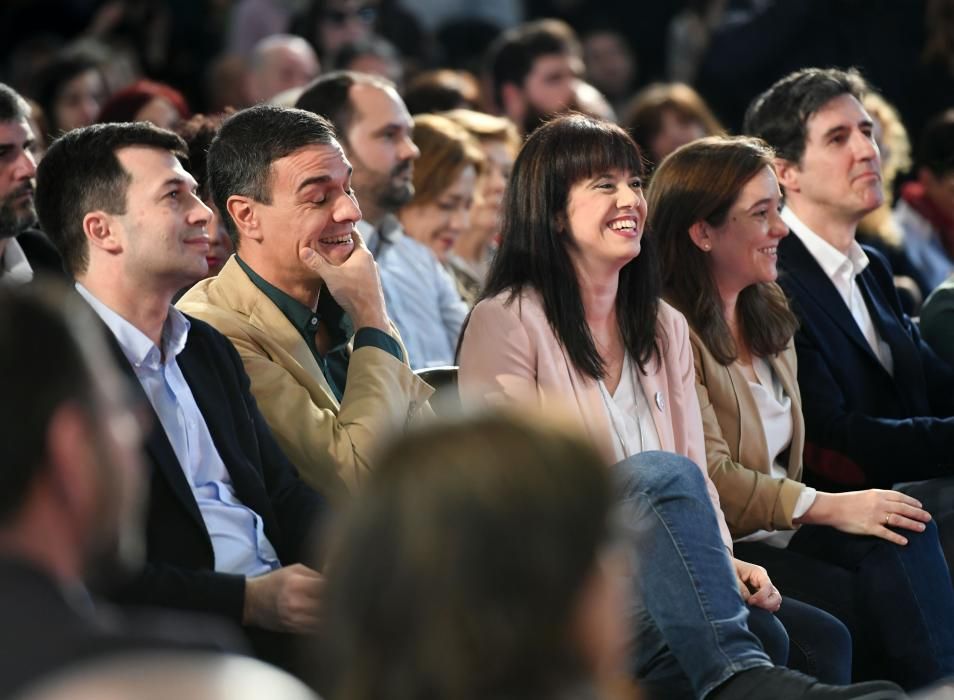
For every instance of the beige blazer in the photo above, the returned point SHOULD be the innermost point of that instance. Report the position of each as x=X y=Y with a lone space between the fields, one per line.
x=736 y=450
x=329 y=443
x=510 y=353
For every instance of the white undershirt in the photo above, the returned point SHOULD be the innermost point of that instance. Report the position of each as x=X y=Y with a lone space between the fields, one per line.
x=775 y=412
x=629 y=415
x=14 y=267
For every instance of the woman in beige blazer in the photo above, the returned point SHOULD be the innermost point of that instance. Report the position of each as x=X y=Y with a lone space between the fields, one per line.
x=551 y=332
x=869 y=557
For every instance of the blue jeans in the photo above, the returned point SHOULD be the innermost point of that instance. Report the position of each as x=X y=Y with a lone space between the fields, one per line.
x=690 y=620
x=897 y=601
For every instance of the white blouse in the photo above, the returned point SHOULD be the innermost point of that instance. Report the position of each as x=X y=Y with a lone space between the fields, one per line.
x=629 y=415
x=775 y=410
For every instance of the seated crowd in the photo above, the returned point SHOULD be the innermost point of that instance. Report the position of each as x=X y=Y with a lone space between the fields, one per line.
x=705 y=452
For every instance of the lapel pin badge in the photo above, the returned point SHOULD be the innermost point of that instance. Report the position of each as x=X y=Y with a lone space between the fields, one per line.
x=660 y=401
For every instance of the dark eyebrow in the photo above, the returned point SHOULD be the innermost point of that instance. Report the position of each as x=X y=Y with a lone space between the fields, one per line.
x=390 y=126
x=319 y=180
x=761 y=202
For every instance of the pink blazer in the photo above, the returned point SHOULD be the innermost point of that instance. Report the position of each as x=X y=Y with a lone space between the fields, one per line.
x=509 y=353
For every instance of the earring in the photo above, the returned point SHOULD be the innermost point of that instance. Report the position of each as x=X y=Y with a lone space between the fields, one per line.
x=706 y=246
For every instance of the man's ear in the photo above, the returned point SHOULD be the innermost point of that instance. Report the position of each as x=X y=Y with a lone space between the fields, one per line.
x=102 y=231
x=788 y=174
x=243 y=211
x=701 y=234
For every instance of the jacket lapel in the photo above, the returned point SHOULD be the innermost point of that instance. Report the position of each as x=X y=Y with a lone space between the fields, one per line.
x=803 y=271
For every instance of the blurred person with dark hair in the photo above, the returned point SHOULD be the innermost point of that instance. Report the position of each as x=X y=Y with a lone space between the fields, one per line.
x=664 y=116
x=420 y=291
x=505 y=578
x=878 y=402
x=198 y=133
x=442 y=90
x=22 y=250
x=375 y=55
x=470 y=257
x=278 y=63
x=533 y=69
x=301 y=299
x=228 y=517
x=373 y=127
x=71 y=90
x=610 y=64
x=925 y=209
x=226 y=84
x=71 y=511
x=146 y=101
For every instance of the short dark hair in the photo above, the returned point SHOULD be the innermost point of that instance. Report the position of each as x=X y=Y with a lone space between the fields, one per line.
x=780 y=115
x=329 y=96
x=241 y=155
x=535 y=244
x=43 y=367
x=13 y=107
x=81 y=173
x=513 y=53
x=936 y=145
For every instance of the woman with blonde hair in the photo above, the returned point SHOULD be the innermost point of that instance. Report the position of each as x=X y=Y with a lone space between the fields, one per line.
x=421 y=295
x=871 y=558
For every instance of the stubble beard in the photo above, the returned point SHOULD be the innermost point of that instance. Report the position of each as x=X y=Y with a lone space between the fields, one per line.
x=12 y=222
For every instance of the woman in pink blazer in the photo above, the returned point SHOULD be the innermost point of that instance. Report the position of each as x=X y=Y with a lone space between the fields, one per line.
x=571 y=319
x=870 y=557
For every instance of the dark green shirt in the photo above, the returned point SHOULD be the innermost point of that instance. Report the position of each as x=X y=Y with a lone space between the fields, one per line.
x=334 y=363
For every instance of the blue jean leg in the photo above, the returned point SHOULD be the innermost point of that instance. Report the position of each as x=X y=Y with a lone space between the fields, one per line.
x=689 y=618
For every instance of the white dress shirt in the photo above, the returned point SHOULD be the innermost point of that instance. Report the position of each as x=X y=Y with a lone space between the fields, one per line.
x=237 y=532
x=14 y=267
x=843 y=271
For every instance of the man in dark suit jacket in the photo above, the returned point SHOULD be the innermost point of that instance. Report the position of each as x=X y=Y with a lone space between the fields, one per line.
x=228 y=517
x=877 y=401
x=69 y=491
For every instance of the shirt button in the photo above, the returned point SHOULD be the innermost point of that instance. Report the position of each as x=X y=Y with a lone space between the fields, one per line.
x=314 y=321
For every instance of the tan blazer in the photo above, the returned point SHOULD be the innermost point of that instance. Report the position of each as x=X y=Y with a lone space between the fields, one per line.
x=329 y=443
x=736 y=450
x=510 y=353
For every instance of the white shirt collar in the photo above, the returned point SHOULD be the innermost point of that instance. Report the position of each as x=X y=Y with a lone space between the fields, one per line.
x=832 y=261
x=15 y=268
x=136 y=345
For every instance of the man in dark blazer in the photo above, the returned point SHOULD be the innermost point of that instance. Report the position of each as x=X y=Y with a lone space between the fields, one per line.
x=70 y=492
x=878 y=402
x=228 y=518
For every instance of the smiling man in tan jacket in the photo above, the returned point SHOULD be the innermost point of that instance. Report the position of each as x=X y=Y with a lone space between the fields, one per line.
x=301 y=300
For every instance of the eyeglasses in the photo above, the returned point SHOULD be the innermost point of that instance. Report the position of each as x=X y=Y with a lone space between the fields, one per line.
x=366 y=15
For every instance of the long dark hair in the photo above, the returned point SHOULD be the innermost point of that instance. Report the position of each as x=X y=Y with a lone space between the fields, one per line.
x=536 y=242
x=700 y=182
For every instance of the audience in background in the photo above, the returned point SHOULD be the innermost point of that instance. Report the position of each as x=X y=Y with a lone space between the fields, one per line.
x=375 y=55
x=610 y=64
x=664 y=116
x=442 y=90
x=280 y=62
x=71 y=90
x=534 y=68
x=420 y=290
x=470 y=257
x=146 y=101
